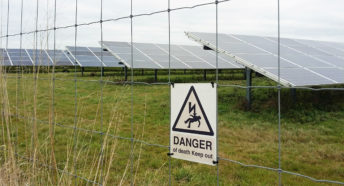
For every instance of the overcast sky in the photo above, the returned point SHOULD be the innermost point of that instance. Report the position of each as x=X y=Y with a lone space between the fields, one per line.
x=305 y=19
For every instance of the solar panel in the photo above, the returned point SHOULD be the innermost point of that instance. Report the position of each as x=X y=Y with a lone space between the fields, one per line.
x=61 y=59
x=122 y=50
x=4 y=59
x=19 y=57
x=84 y=57
x=155 y=56
x=39 y=57
x=302 y=62
x=106 y=57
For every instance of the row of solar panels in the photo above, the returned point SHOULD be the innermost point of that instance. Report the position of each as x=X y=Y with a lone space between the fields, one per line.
x=30 y=57
x=156 y=56
x=302 y=62
x=86 y=57
x=118 y=54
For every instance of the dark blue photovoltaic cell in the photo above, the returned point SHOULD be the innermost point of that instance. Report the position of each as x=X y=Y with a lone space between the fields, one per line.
x=155 y=56
x=84 y=57
x=19 y=57
x=72 y=59
x=4 y=59
x=209 y=56
x=39 y=57
x=302 y=62
x=60 y=58
x=333 y=49
x=106 y=57
x=333 y=73
x=122 y=51
x=300 y=77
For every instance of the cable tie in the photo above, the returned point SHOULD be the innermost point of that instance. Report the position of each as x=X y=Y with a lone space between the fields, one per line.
x=212 y=84
x=170 y=154
x=215 y=162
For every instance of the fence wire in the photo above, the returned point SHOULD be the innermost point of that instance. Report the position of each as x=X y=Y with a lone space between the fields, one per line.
x=52 y=123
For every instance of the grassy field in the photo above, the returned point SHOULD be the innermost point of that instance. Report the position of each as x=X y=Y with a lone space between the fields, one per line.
x=312 y=132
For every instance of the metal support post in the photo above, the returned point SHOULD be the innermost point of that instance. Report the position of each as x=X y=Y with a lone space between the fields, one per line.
x=155 y=75
x=293 y=95
x=248 y=75
x=125 y=73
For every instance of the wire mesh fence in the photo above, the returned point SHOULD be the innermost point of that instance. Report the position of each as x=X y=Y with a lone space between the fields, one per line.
x=48 y=125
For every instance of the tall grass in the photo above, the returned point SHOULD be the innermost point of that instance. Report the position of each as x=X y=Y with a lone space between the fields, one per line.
x=37 y=114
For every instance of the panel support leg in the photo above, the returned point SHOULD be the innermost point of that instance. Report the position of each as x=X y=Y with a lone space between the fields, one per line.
x=248 y=74
x=142 y=72
x=205 y=75
x=293 y=95
x=125 y=73
x=82 y=71
x=155 y=75
x=102 y=70
x=244 y=74
x=184 y=71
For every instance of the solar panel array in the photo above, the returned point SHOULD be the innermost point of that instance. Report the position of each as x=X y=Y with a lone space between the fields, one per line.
x=32 y=57
x=302 y=62
x=19 y=57
x=155 y=56
x=91 y=57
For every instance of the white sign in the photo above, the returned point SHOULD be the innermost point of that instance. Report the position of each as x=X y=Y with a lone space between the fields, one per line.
x=194 y=122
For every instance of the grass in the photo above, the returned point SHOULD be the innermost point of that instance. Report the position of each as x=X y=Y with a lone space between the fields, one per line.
x=312 y=132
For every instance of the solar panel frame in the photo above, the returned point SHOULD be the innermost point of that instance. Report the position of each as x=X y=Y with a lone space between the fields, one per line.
x=307 y=55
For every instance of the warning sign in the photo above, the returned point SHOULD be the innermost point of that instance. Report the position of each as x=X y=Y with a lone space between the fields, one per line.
x=194 y=122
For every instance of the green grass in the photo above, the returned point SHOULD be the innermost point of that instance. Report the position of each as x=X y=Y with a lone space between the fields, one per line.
x=312 y=131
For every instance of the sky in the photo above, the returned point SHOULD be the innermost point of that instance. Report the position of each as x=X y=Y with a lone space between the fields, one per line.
x=302 y=19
